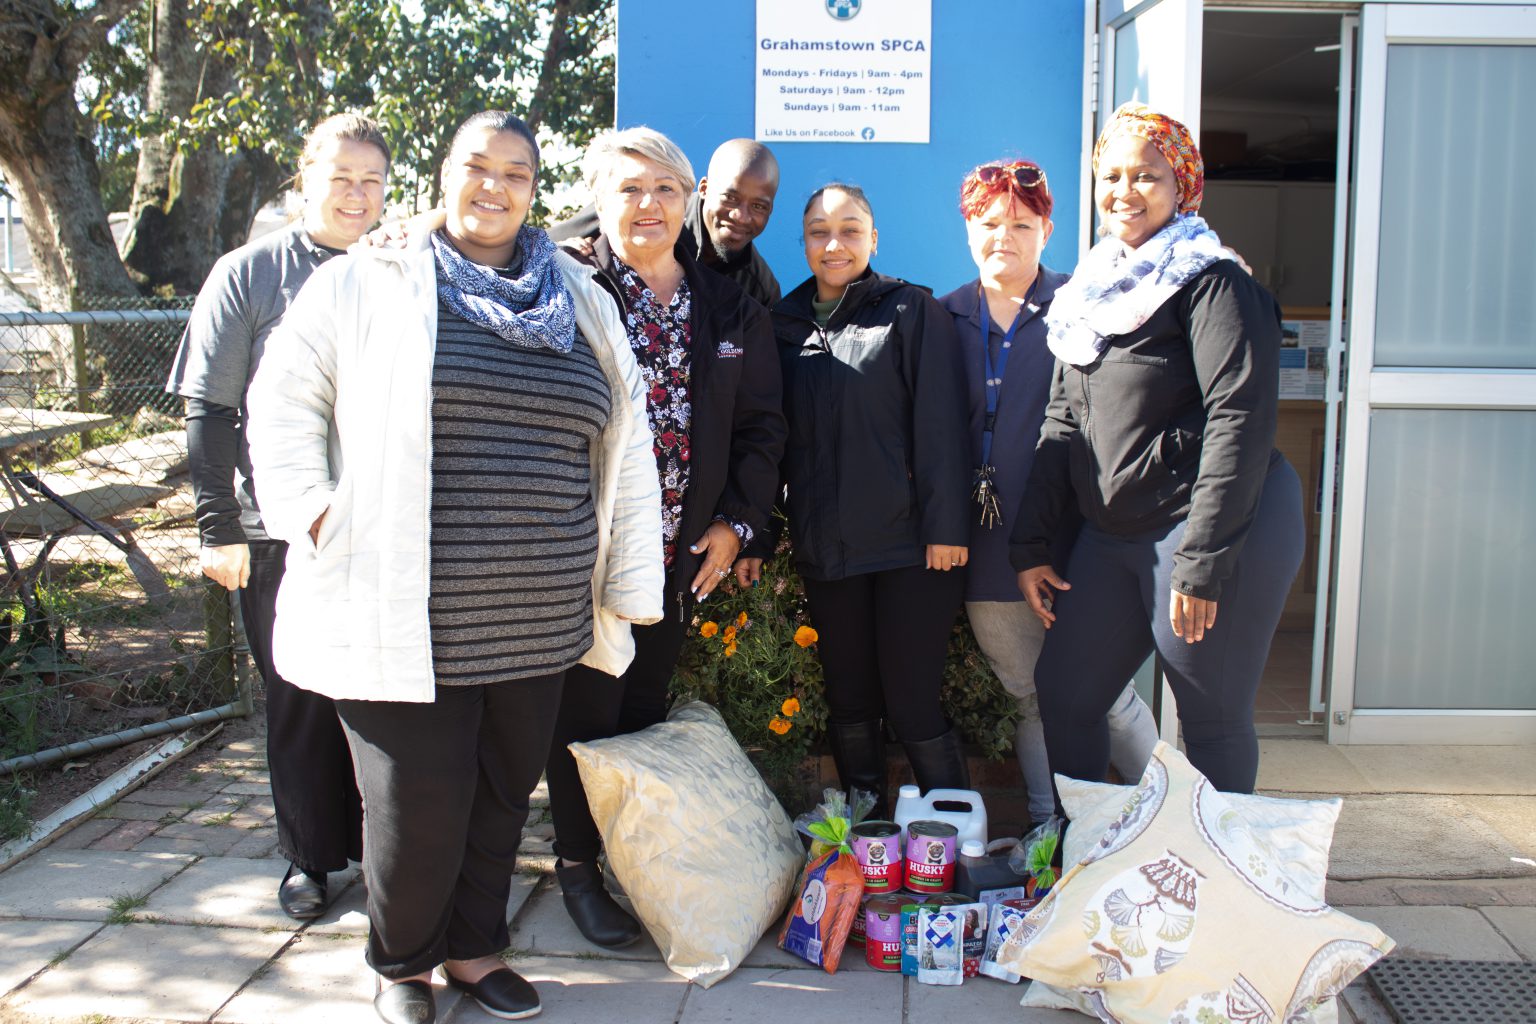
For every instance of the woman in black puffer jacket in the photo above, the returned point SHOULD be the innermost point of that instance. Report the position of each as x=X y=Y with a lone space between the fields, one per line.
x=876 y=469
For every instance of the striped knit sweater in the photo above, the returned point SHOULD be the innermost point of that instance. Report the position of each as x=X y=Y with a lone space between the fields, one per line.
x=514 y=538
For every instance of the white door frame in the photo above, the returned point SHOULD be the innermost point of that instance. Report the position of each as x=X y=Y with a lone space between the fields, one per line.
x=1371 y=387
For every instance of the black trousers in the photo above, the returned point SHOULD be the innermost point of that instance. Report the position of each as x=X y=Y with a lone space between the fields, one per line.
x=883 y=638
x=446 y=785
x=319 y=812
x=1116 y=614
x=594 y=706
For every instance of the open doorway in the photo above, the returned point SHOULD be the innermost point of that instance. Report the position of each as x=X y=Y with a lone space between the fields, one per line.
x=1269 y=109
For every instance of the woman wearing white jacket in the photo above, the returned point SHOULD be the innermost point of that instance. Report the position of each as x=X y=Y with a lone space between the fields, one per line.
x=452 y=437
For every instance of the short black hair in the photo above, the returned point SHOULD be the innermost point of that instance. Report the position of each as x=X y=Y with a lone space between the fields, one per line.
x=851 y=191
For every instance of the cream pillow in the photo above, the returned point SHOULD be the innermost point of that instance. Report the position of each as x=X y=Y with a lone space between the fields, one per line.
x=1181 y=907
x=699 y=843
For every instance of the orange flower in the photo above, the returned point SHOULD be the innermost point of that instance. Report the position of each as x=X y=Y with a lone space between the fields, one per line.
x=805 y=636
x=741 y=620
x=708 y=630
x=729 y=636
x=730 y=649
x=790 y=707
x=779 y=726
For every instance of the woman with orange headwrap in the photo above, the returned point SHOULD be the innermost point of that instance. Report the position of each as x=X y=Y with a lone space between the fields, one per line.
x=1161 y=428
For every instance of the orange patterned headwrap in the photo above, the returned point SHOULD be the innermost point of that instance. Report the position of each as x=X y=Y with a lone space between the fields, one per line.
x=1171 y=138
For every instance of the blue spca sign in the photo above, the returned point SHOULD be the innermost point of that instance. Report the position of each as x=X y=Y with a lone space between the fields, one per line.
x=843 y=9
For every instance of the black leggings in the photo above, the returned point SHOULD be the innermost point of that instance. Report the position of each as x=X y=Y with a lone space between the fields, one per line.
x=447 y=787
x=319 y=812
x=883 y=637
x=595 y=706
x=1116 y=614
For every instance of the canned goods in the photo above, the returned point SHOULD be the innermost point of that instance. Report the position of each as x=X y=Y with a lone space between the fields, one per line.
x=877 y=847
x=856 y=930
x=882 y=931
x=930 y=861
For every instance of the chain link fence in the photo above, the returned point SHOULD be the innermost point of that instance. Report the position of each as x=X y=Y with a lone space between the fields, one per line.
x=109 y=632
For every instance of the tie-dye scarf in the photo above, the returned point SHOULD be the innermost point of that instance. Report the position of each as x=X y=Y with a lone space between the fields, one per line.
x=1115 y=290
x=532 y=309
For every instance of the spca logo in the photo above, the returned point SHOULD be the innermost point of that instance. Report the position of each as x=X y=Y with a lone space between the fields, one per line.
x=842 y=10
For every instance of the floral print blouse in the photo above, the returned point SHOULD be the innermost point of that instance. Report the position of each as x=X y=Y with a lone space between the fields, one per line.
x=660 y=336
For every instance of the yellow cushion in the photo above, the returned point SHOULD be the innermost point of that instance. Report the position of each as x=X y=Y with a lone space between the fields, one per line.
x=699 y=843
x=1180 y=908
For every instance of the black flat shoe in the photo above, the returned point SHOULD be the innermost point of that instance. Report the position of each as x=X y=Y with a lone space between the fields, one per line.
x=502 y=993
x=597 y=915
x=301 y=897
x=407 y=1002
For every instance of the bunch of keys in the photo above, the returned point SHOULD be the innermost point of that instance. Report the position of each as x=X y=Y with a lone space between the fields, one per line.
x=984 y=493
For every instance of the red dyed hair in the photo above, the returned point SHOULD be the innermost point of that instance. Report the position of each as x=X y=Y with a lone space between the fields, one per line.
x=976 y=195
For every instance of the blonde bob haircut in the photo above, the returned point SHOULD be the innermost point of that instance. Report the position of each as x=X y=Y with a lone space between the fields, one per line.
x=642 y=142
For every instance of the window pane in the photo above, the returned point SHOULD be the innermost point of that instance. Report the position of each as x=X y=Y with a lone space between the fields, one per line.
x=1456 y=286
x=1449 y=573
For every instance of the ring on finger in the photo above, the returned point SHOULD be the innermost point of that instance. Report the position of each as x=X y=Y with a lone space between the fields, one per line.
x=722 y=573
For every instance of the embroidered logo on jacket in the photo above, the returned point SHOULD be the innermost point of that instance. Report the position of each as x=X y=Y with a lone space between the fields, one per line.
x=728 y=350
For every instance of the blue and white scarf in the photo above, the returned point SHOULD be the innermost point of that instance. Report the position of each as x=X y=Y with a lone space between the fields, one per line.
x=1115 y=290
x=532 y=309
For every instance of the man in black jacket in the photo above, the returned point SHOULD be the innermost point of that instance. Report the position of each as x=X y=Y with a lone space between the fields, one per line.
x=727 y=213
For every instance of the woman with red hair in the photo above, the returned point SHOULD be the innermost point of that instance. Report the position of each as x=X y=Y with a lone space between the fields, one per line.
x=1000 y=321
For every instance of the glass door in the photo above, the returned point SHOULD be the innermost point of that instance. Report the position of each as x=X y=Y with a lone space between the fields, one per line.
x=1437 y=513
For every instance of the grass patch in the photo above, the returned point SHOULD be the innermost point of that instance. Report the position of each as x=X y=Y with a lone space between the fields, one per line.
x=59 y=956
x=219 y=819
x=122 y=908
x=15 y=809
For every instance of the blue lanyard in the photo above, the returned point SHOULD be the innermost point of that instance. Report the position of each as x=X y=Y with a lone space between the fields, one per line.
x=994 y=377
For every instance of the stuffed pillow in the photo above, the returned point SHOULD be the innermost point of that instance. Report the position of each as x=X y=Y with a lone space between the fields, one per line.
x=699 y=843
x=1181 y=910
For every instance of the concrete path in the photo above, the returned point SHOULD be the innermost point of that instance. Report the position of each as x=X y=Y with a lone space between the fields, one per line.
x=163 y=908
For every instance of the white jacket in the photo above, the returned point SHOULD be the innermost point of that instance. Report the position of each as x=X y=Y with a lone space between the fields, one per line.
x=341 y=423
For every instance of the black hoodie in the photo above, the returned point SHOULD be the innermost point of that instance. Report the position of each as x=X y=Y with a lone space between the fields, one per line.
x=877 y=463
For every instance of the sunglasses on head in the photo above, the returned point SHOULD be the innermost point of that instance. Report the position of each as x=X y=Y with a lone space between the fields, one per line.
x=1024 y=175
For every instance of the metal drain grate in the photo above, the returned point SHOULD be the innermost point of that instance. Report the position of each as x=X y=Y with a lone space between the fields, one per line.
x=1450 y=991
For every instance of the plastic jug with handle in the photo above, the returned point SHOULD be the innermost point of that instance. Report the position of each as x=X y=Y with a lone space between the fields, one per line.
x=961 y=808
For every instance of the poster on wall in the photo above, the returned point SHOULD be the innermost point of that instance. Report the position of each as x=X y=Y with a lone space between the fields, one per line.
x=843 y=70
x=1303 y=358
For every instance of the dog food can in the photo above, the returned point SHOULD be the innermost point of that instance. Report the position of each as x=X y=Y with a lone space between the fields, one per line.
x=909 y=908
x=882 y=932
x=877 y=847
x=856 y=931
x=930 y=863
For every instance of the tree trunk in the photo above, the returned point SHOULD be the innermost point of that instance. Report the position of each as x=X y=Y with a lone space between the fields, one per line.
x=46 y=150
x=554 y=54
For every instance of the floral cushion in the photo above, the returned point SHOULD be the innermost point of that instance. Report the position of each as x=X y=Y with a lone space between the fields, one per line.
x=1183 y=912
x=699 y=843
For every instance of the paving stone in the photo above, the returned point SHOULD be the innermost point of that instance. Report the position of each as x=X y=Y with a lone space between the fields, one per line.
x=80 y=885
x=593 y=990
x=1438 y=933
x=126 y=835
x=1360 y=1005
x=794 y=995
x=129 y=810
x=248 y=789
x=26 y=947
x=1373 y=893
x=768 y=954
x=258 y=843
x=347 y=915
x=215 y=839
x=1509 y=770
x=320 y=978
x=227 y=892
x=1519 y=892
x=177 y=797
x=85 y=833
x=979 y=999
x=189 y=848
x=1447 y=894
x=1289 y=766
x=1517 y=925
x=157 y=971
x=545 y=929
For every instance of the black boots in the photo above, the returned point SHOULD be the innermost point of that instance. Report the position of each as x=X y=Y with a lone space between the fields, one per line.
x=939 y=763
x=597 y=915
x=858 y=750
